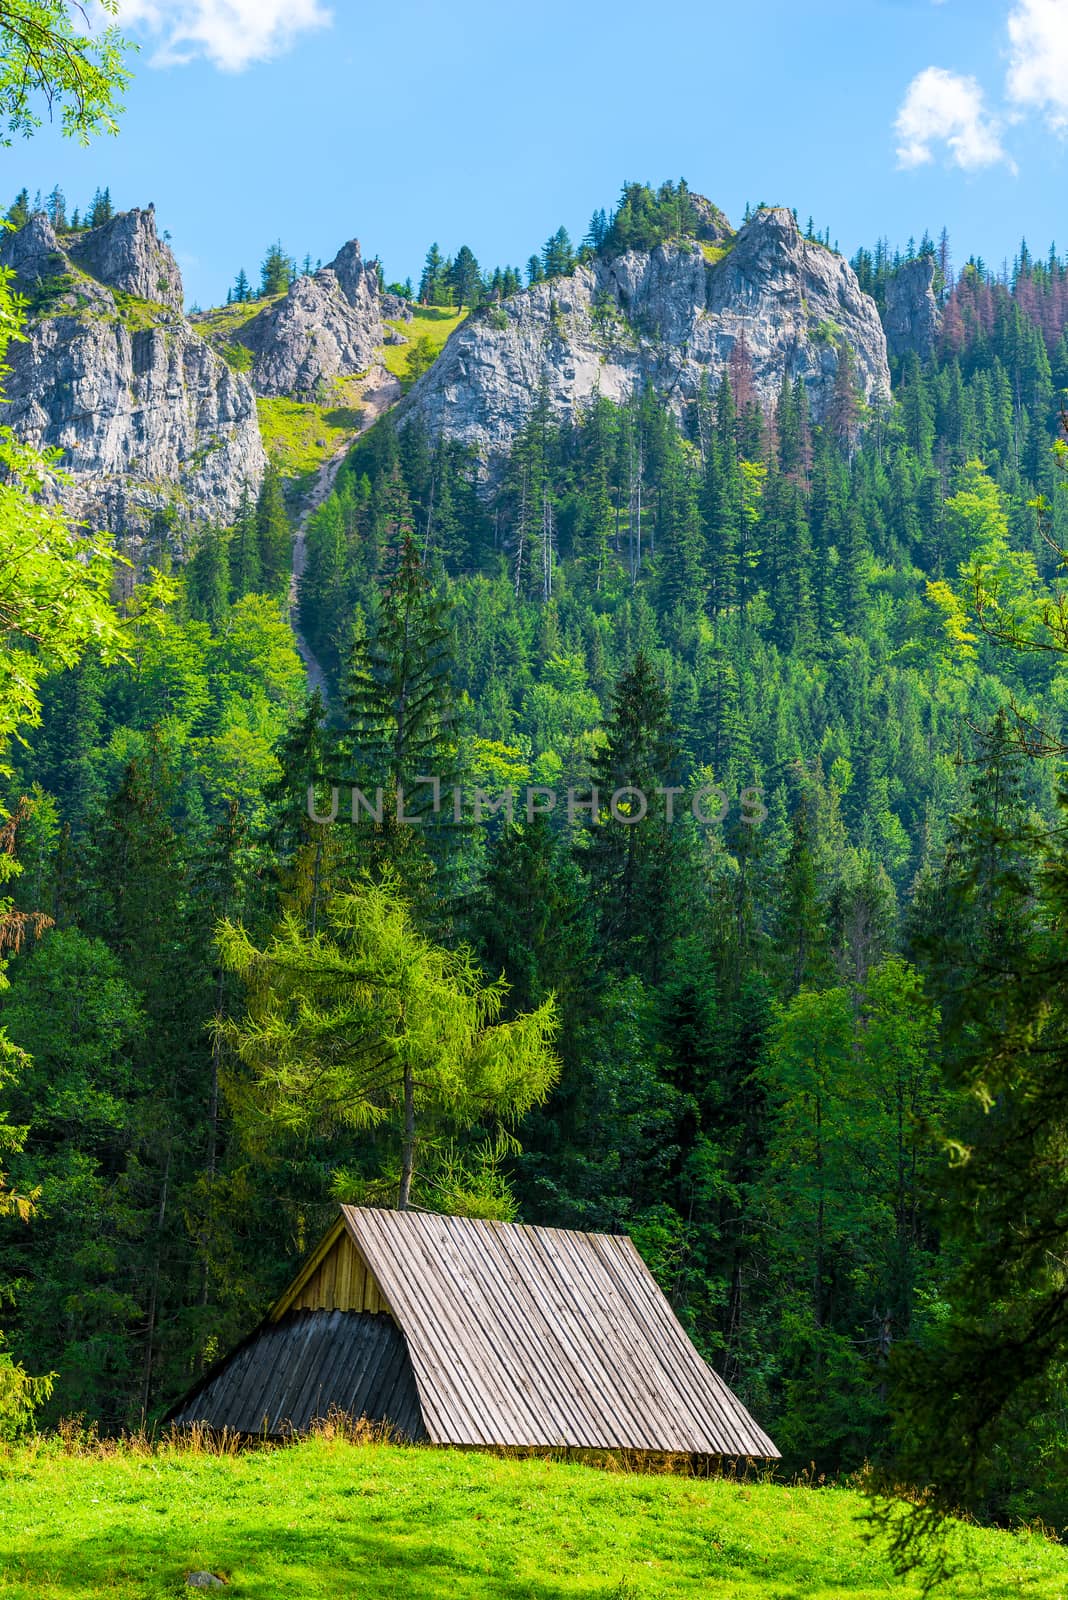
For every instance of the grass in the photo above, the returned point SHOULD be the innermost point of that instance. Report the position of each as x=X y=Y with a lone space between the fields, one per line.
x=330 y=1518
x=429 y=328
x=299 y=436
x=714 y=253
x=139 y=314
x=221 y=325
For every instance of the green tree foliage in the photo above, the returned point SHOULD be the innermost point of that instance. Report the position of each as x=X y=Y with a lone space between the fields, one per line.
x=277 y=270
x=273 y=535
x=644 y=217
x=46 y=61
x=101 y=210
x=434 y=283
x=465 y=279
x=371 y=1023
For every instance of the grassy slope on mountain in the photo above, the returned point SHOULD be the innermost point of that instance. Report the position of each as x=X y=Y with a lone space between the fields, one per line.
x=327 y=1518
x=426 y=334
x=300 y=435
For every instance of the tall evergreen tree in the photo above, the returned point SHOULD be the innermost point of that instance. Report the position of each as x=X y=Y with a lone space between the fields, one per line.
x=273 y=533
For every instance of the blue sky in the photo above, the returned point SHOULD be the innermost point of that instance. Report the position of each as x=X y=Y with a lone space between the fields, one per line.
x=490 y=124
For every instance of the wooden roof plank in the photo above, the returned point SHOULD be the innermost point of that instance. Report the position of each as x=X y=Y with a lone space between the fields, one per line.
x=398 y=1261
x=534 y=1350
x=610 y=1409
x=624 y=1349
x=536 y=1335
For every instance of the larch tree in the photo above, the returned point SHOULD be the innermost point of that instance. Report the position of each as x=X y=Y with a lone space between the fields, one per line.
x=369 y=1023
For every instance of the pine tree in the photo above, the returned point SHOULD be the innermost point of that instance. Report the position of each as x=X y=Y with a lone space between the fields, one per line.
x=19 y=214
x=465 y=279
x=801 y=937
x=557 y=256
x=207 y=580
x=56 y=206
x=633 y=849
x=433 y=283
x=245 y=568
x=102 y=210
x=273 y=533
x=276 y=271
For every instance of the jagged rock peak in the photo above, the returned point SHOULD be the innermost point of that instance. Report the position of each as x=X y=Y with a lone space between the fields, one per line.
x=32 y=253
x=350 y=270
x=712 y=223
x=669 y=317
x=913 y=317
x=327 y=326
x=147 y=417
x=128 y=254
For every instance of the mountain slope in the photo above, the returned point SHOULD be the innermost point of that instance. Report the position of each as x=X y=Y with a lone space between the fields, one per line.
x=672 y=318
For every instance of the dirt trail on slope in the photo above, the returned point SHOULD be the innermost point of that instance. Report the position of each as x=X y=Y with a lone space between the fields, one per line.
x=381 y=390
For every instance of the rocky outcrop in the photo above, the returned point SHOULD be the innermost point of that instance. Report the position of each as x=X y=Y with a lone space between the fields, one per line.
x=127 y=254
x=669 y=317
x=328 y=326
x=146 y=416
x=912 y=318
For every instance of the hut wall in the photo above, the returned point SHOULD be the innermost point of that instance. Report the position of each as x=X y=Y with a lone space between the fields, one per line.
x=341 y=1281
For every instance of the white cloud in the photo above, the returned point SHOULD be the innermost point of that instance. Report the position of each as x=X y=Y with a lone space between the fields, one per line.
x=232 y=34
x=1038 y=60
x=944 y=108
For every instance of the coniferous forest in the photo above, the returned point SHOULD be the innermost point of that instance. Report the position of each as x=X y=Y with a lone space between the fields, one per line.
x=675 y=847
x=775 y=1040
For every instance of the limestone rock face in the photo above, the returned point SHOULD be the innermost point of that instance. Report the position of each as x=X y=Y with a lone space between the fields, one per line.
x=328 y=326
x=669 y=317
x=127 y=253
x=912 y=319
x=147 y=417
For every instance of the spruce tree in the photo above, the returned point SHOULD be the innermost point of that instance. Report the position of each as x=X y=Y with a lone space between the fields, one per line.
x=464 y=279
x=273 y=534
x=633 y=850
x=207 y=580
x=245 y=568
x=276 y=270
x=20 y=209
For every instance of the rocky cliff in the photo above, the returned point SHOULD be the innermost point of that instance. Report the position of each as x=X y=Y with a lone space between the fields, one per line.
x=327 y=326
x=146 y=415
x=668 y=317
x=912 y=317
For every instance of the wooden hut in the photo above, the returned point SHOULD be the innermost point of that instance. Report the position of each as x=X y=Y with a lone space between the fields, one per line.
x=465 y=1332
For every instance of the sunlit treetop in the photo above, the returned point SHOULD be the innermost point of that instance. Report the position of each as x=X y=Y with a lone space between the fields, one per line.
x=50 y=66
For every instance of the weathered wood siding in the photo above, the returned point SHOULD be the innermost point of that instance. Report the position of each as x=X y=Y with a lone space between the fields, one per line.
x=341 y=1281
x=294 y=1371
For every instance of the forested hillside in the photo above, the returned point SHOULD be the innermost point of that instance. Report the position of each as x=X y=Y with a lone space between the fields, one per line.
x=771 y=1031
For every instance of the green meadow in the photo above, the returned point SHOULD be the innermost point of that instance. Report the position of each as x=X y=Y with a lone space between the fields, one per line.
x=331 y=1518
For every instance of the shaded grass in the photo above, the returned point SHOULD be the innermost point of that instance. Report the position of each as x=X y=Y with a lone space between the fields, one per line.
x=328 y=1518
